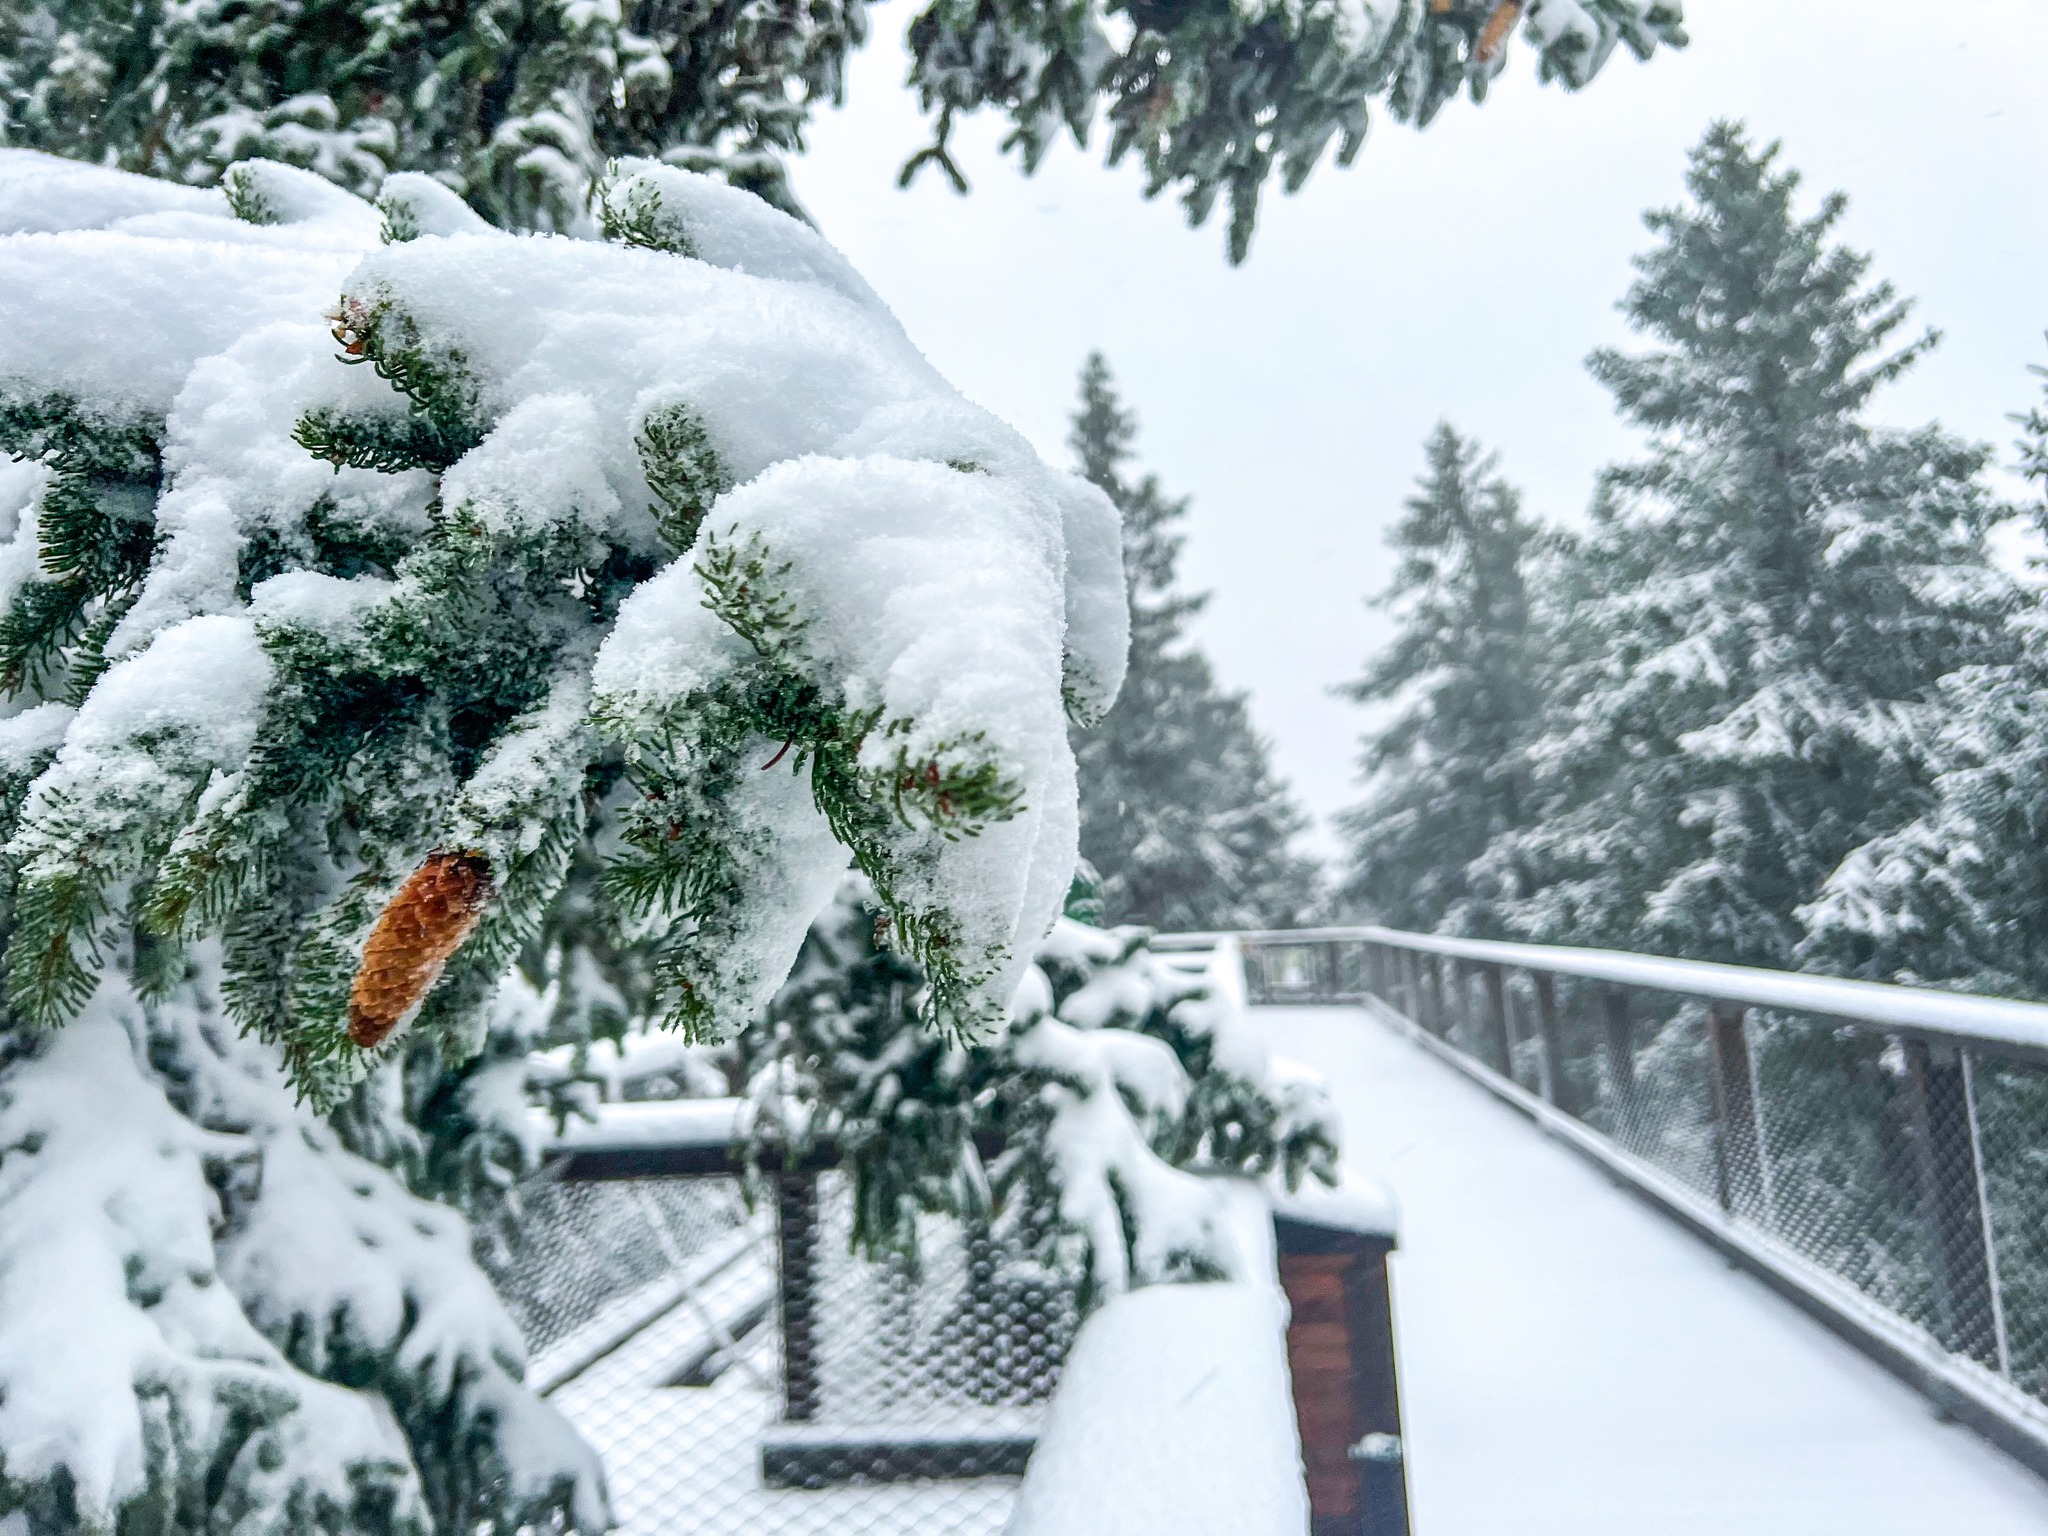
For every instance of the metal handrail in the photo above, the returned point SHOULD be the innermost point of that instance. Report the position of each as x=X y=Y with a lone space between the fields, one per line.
x=2011 y=1024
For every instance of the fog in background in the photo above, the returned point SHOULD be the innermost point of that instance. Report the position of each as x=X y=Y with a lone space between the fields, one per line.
x=1462 y=272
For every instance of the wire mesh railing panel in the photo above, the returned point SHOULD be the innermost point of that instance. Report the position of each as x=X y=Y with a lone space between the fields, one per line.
x=1662 y=1110
x=2010 y=1101
x=739 y=1370
x=1839 y=1150
x=586 y=1249
x=967 y=1333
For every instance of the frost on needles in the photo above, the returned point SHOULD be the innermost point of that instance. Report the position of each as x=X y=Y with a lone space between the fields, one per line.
x=366 y=573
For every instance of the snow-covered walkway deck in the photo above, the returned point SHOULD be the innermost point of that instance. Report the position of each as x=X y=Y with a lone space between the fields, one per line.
x=1573 y=1363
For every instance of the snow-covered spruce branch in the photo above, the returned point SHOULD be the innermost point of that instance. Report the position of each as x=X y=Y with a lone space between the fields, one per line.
x=319 y=677
x=213 y=1316
x=1177 y=84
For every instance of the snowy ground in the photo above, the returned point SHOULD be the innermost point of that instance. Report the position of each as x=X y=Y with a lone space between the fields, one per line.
x=1574 y=1364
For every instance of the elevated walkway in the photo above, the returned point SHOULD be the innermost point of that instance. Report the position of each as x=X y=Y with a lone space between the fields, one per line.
x=1574 y=1363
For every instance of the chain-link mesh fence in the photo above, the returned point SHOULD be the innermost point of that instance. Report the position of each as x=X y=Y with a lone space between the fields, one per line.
x=1908 y=1171
x=740 y=1371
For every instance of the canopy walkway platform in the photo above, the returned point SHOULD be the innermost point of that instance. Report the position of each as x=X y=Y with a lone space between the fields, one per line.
x=1574 y=1362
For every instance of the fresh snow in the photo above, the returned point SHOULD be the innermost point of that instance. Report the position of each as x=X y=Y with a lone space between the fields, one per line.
x=114 y=1295
x=1174 y=1418
x=709 y=1123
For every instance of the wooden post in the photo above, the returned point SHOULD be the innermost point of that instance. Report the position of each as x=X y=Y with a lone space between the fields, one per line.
x=1340 y=1356
x=796 y=1200
x=1501 y=1037
x=1433 y=994
x=1738 y=1169
x=1557 y=1087
x=1950 y=1161
x=1621 y=1045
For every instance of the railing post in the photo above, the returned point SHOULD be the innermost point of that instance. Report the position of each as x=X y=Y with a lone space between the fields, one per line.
x=1347 y=965
x=1433 y=998
x=1950 y=1159
x=1327 y=980
x=796 y=1201
x=1340 y=1356
x=1737 y=1168
x=1502 y=1038
x=1621 y=1045
x=1556 y=1086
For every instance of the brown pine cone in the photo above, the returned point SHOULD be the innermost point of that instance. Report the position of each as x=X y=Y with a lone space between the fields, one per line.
x=1494 y=35
x=424 y=924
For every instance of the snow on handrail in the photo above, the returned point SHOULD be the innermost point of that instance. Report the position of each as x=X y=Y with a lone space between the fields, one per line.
x=2002 y=1021
x=632 y=1126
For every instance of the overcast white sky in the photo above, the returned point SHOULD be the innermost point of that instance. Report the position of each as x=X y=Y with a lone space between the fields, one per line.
x=1463 y=272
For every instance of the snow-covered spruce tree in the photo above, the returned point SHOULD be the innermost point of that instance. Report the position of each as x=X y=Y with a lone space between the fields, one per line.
x=1182 y=818
x=518 y=104
x=333 y=657
x=1119 y=1089
x=1446 y=774
x=1768 y=600
x=1957 y=895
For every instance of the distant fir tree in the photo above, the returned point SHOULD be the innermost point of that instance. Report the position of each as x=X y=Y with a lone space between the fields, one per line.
x=518 y=104
x=1772 y=595
x=1181 y=815
x=1447 y=775
x=1959 y=895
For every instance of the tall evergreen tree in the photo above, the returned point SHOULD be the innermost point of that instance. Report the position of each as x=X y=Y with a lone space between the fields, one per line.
x=1446 y=775
x=1960 y=894
x=518 y=104
x=1181 y=815
x=1773 y=594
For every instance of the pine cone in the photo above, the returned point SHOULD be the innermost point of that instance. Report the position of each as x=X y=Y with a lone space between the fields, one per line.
x=1494 y=35
x=425 y=923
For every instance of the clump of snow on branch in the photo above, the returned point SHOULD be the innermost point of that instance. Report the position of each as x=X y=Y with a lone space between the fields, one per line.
x=1153 y=1081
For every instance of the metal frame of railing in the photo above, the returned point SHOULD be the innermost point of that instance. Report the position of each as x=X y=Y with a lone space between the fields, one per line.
x=1496 y=1011
x=1331 y=1253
